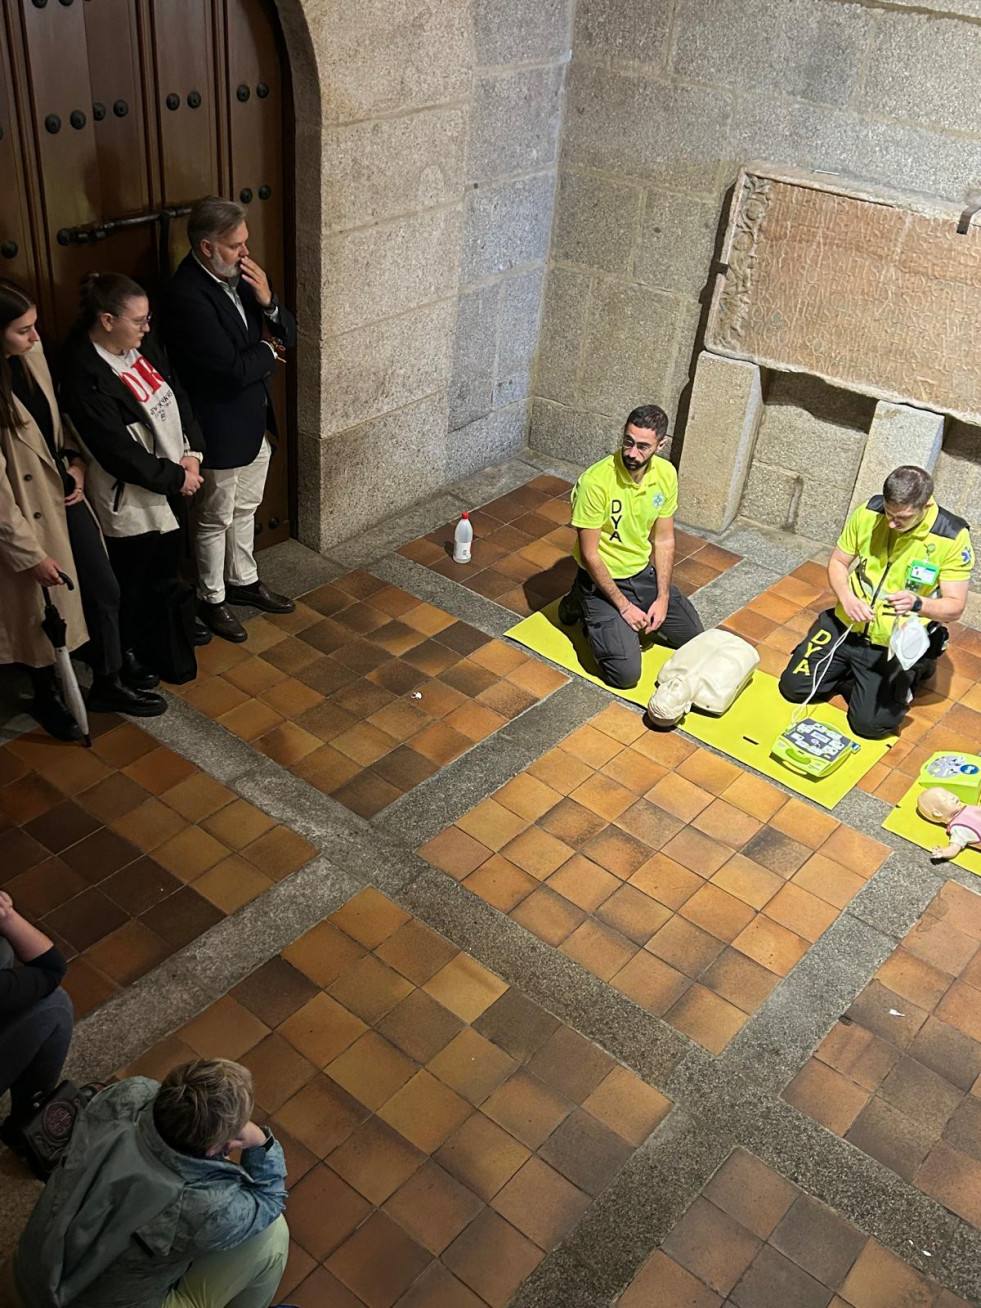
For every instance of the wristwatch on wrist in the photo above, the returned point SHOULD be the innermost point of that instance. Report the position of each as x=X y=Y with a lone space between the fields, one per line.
x=916 y=605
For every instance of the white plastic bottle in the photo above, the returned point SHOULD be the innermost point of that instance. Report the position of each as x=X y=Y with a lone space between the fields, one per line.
x=462 y=539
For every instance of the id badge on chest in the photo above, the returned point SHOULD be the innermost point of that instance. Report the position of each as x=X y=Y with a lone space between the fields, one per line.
x=921 y=577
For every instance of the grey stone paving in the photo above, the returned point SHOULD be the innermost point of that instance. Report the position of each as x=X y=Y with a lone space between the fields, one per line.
x=719 y=1102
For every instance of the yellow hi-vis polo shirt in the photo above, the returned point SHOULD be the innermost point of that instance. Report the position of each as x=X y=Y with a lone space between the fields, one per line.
x=937 y=549
x=607 y=497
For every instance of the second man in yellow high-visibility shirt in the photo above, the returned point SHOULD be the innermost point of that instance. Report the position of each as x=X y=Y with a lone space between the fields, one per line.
x=900 y=555
x=623 y=510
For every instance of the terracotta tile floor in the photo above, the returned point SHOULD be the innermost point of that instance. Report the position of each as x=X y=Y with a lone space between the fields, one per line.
x=689 y=884
x=365 y=691
x=522 y=552
x=900 y=1074
x=946 y=715
x=753 y=1240
x=442 y=1132
x=126 y=852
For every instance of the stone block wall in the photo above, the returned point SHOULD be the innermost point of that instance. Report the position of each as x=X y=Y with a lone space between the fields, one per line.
x=427 y=148
x=665 y=100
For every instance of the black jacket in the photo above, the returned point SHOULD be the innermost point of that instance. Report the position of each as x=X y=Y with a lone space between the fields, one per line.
x=101 y=408
x=223 y=362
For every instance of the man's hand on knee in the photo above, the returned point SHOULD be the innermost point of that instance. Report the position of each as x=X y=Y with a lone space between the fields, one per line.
x=657 y=613
x=635 y=618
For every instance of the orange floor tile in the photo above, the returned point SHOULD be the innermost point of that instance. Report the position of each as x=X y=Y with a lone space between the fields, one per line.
x=688 y=884
x=442 y=1132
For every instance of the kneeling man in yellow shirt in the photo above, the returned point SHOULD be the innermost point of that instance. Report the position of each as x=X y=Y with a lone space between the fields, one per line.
x=900 y=557
x=623 y=510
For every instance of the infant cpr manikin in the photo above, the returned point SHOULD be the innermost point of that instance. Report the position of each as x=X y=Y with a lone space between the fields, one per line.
x=707 y=673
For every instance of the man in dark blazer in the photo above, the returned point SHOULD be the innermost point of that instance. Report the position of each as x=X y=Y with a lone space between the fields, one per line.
x=227 y=333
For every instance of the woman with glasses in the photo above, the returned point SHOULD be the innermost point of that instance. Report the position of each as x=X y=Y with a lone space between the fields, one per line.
x=47 y=530
x=136 y=423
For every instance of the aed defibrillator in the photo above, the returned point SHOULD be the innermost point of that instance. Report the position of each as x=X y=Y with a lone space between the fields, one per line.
x=958 y=773
x=813 y=749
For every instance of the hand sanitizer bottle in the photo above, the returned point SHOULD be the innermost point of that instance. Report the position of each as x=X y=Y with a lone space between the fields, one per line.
x=462 y=539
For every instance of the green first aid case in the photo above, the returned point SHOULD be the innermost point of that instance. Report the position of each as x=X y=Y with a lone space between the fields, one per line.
x=813 y=749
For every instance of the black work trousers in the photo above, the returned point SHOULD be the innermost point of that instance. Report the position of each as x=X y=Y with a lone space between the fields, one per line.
x=99 y=590
x=141 y=563
x=616 y=646
x=879 y=691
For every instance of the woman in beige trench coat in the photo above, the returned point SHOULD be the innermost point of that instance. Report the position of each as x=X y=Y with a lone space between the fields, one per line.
x=46 y=528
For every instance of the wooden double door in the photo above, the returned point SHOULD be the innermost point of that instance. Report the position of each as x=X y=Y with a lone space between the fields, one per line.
x=114 y=116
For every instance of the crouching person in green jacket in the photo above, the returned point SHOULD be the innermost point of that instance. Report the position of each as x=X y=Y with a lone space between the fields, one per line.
x=146 y=1209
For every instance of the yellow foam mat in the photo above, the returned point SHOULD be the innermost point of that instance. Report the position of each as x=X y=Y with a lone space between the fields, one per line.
x=745 y=733
x=906 y=822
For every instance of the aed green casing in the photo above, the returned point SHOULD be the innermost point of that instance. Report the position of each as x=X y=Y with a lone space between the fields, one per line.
x=958 y=773
x=813 y=749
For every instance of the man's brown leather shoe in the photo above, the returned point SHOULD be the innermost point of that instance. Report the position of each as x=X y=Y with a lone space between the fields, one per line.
x=222 y=621
x=260 y=597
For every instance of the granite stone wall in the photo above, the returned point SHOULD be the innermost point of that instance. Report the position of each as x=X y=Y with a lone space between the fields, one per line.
x=665 y=100
x=427 y=146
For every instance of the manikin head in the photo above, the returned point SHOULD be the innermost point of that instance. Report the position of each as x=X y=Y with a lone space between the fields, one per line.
x=218 y=235
x=644 y=434
x=906 y=493
x=671 y=701
x=938 y=805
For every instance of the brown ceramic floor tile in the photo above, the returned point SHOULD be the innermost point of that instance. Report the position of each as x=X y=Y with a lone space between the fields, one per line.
x=706 y=1018
x=419 y=1026
x=663 y=1281
x=85 y=919
x=630 y=1107
x=323 y=1210
x=366 y=794
x=231 y=883
x=278 y=1072
x=891 y=1137
x=225 y=1030
x=320 y=1114
x=112 y=797
x=61 y=827
x=182 y=917
x=371 y=1069
x=712 y=1245
x=44 y=887
x=425 y=1111
x=492 y=1258
x=650 y=982
x=375 y=1160
x=684 y=946
x=433 y=1207
x=370 y=989
x=86 y=986
x=548 y=916
x=128 y=953
x=824 y=1094
x=321 y=1029
x=519 y=1026
x=751 y=1193
x=541 y=1203
x=369 y=918
x=717 y=912
x=500 y=883
x=482 y=1155
x=465 y=987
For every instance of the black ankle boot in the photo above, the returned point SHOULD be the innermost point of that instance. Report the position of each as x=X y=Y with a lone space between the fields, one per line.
x=49 y=709
x=135 y=674
x=109 y=695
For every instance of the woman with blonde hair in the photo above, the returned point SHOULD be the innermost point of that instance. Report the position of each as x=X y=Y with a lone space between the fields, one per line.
x=48 y=531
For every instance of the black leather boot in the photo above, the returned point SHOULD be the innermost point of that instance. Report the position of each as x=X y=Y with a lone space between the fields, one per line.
x=49 y=709
x=109 y=695
x=135 y=674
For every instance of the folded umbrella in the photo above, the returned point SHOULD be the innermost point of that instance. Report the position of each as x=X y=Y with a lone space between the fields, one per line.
x=54 y=627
